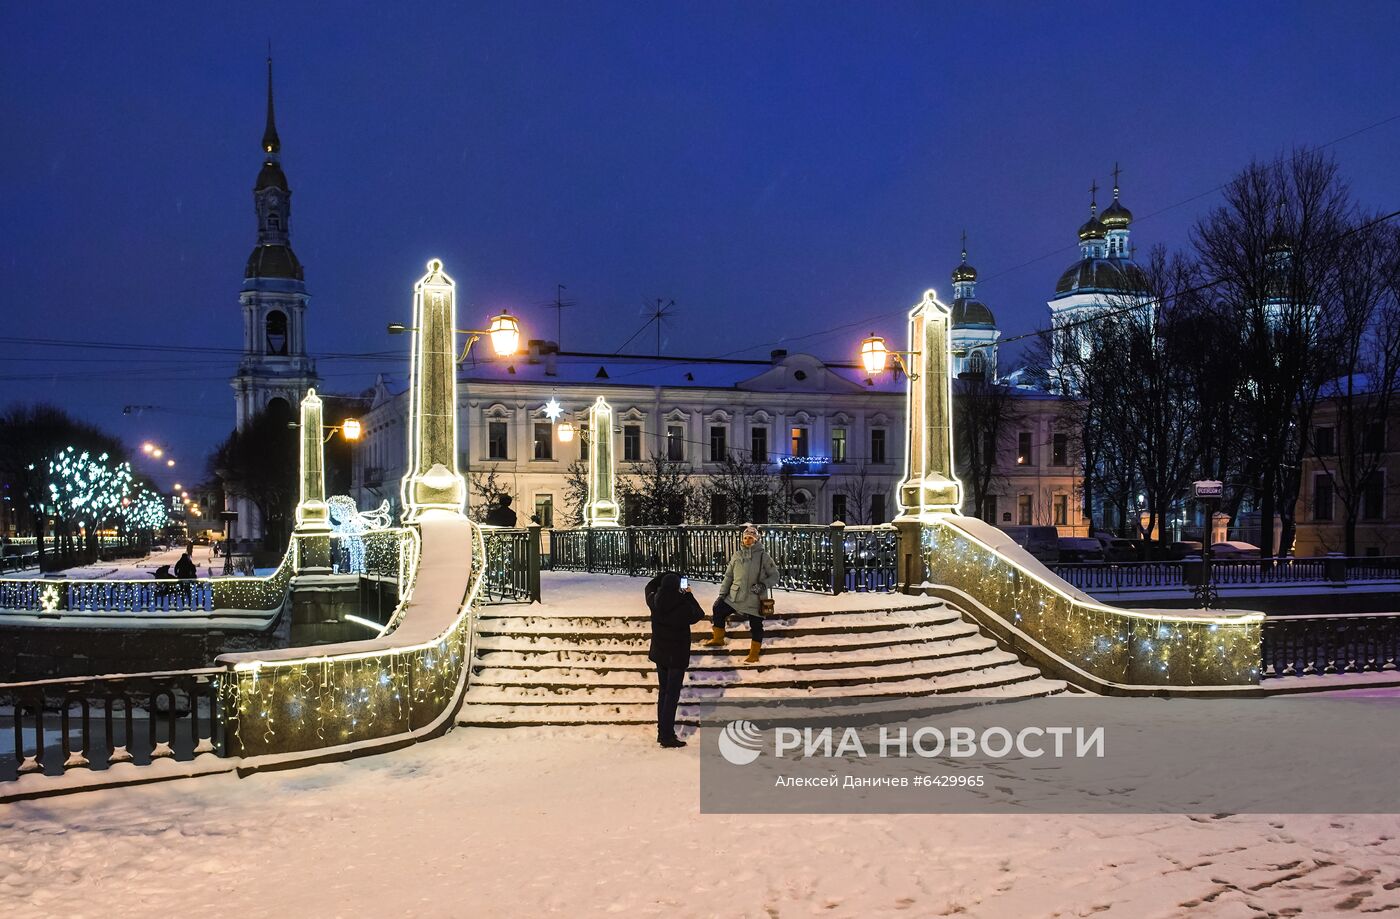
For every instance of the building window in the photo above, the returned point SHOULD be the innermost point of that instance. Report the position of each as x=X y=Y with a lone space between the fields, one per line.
x=877 y=445
x=719 y=510
x=544 y=440
x=1325 y=441
x=583 y=441
x=1373 y=440
x=675 y=443
x=758 y=445
x=1023 y=510
x=1322 y=497
x=497 y=440
x=274 y=223
x=544 y=510
x=977 y=363
x=1373 y=497
x=631 y=443
x=760 y=509
x=989 y=508
x=1023 y=448
x=1061 y=510
x=877 y=508
x=719 y=443
x=1059 y=450
x=276 y=332
x=989 y=448
x=838 y=508
x=799 y=442
x=838 y=445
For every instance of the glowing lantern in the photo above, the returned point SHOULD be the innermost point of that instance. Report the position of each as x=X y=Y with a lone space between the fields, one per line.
x=874 y=355
x=350 y=429
x=566 y=432
x=505 y=334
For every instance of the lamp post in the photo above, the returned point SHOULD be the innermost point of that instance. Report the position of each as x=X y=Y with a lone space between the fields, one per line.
x=602 y=509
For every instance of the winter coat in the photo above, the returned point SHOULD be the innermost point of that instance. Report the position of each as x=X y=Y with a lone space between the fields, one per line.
x=748 y=568
x=185 y=569
x=673 y=612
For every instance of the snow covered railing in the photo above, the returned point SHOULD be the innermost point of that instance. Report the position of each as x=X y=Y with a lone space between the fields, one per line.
x=821 y=559
x=332 y=701
x=1330 y=644
x=55 y=597
x=1123 y=577
x=108 y=724
x=1069 y=633
x=512 y=565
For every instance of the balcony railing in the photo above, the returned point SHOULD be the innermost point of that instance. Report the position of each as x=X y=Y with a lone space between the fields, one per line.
x=821 y=559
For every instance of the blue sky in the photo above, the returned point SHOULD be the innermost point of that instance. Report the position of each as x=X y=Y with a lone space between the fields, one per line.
x=779 y=169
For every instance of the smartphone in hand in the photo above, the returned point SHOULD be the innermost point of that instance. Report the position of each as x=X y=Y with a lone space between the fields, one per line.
x=685 y=583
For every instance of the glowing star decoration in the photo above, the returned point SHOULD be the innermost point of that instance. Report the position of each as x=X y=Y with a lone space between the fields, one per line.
x=601 y=510
x=433 y=479
x=48 y=600
x=552 y=409
x=929 y=485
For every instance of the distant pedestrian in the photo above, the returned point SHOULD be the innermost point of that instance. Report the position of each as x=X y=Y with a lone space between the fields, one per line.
x=749 y=578
x=501 y=515
x=185 y=568
x=673 y=611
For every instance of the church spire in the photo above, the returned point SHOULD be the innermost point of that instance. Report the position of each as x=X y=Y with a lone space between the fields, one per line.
x=270 y=143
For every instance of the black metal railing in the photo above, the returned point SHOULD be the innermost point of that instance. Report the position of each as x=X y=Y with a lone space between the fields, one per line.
x=822 y=559
x=1333 y=569
x=1328 y=644
x=56 y=726
x=512 y=565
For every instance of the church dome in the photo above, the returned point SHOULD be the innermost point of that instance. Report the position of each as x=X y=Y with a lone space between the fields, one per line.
x=971 y=314
x=273 y=261
x=271 y=176
x=1092 y=228
x=1101 y=274
x=1116 y=216
x=964 y=272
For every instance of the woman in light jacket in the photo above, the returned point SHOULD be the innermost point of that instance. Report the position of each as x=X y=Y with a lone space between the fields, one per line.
x=748 y=579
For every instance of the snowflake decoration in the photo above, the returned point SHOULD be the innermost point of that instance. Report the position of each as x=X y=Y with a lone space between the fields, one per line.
x=552 y=409
x=49 y=598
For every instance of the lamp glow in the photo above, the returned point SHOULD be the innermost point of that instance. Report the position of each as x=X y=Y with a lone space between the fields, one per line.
x=505 y=334
x=148 y=447
x=350 y=429
x=157 y=452
x=566 y=432
x=170 y=462
x=874 y=356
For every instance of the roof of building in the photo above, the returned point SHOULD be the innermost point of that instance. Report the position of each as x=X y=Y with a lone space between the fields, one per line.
x=273 y=261
x=271 y=176
x=1108 y=275
x=972 y=313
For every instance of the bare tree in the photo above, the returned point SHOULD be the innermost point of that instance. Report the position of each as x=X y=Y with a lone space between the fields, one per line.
x=743 y=490
x=983 y=410
x=576 y=492
x=1271 y=252
x=858 y=489
x=658 y=492
x=484 y=490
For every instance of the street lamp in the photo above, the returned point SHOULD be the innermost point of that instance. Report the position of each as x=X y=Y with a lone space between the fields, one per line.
x=875 y=356
x=350 y=429
x=503 y=330
x=566 y=431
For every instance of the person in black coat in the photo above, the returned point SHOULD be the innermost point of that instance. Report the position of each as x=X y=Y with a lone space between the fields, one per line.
x=185 y=568
x=501 y=515
x=673 y=611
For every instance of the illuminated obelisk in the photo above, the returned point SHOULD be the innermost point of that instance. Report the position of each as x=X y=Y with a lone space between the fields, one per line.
x=313 y=518
x=433 y=481
x=601 y=510
x=929 y=484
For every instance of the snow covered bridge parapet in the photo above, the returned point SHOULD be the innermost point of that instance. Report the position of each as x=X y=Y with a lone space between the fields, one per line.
x=1071 y=635
x=405 y=685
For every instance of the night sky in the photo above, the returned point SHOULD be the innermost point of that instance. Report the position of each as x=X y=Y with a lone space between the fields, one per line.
x=777 y=169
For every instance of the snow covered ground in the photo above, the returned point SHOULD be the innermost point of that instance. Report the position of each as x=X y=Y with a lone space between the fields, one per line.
x=133 y=568
x=599 y=821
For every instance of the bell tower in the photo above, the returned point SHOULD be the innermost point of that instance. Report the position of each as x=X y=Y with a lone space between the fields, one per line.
x=274 y=372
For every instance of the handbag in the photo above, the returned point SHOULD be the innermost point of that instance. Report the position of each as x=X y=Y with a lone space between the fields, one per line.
x=766 y=605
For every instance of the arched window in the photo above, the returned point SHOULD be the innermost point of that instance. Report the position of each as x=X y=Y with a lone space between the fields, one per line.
x=977 y=363
x=276 y=332
x=274 y=222
x=279 y=408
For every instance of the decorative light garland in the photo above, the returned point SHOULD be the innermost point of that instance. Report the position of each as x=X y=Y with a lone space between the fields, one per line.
x=1117 y=645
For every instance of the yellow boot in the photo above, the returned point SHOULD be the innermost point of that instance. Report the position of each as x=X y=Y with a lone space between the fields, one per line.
x=717 y=640
x=753 y=653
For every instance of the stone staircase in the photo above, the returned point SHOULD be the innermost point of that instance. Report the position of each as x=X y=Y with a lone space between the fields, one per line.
x=586 y=662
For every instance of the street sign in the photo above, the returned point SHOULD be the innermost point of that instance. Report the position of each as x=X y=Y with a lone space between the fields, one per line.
x=228 y=515
x=1209 y=488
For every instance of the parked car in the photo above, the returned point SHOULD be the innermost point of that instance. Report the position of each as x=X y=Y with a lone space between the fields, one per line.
x=1179 y=550
x=1234 y=549
x=1080 y=549
x=1123 y=550
x=1043 y=543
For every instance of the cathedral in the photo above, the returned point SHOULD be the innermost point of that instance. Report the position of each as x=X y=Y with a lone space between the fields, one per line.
x=275 y=372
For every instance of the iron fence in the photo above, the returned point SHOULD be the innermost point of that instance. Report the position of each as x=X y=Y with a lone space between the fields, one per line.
x=57 y=726
x=1328 y=644
x=821 y=559
x=512 y=565
x=1117 y=576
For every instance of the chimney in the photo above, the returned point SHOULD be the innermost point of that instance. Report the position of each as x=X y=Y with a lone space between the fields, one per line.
x=535 y=345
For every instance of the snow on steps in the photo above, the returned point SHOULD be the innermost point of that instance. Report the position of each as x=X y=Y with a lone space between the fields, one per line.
x=583 y=660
